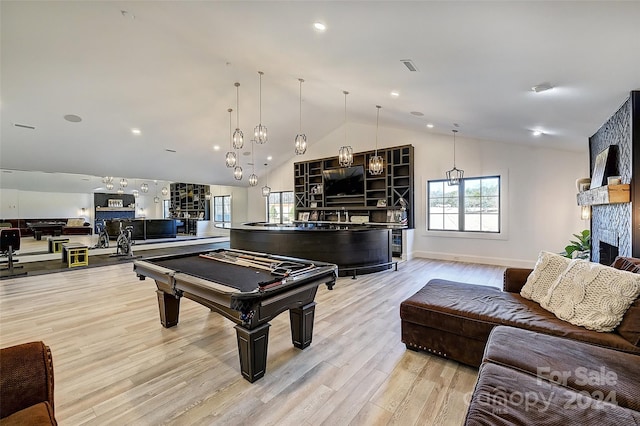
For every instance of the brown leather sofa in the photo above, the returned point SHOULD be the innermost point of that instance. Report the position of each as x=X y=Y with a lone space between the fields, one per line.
x=454 y=320
x=553 y=381
x=26 y=385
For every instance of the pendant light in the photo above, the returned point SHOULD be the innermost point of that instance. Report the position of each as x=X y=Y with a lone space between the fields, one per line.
x=230 y=157
x=301 y=138
x=345 y=153
x=266 y=190
x=144 y=187
x=123 y=182
x=238 y=137
x=455 y=175
x=253 y=178
x=164 y=191
x=260 y=131
x=376 y=163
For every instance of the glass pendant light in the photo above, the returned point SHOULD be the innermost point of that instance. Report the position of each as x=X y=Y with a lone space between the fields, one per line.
x=135 y=193
x=345 y=153
x=455 y=175
x=301 y=138
x=376 y=163
x=120 y=191
x=238 y=137
x=164 y=191
x=123 y=183
x=253 y=178
x=230 y=157
x=266 y=190
x=144 y=187
x=260 y=131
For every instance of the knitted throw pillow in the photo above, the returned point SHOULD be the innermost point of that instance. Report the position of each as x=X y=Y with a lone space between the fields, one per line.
x=591 y=295
x=547 y=270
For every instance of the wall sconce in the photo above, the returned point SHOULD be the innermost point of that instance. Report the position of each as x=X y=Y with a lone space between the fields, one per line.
x=585 y=213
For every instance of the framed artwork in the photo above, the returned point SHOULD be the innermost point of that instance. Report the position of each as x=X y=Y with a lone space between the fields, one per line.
x=305 y=216
x=599 y=168
x=314 y=215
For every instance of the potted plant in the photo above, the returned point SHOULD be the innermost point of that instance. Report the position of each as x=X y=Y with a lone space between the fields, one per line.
x=580 y=248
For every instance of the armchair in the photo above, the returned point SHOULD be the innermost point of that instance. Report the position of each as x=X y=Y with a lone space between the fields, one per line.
x=26 y=385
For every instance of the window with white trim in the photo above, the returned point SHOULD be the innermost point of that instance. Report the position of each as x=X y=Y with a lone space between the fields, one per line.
x=471 y=206
x=222 y=209
x=280 y=207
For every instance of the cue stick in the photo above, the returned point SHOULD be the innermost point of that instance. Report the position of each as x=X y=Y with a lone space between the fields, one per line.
x=239 y=262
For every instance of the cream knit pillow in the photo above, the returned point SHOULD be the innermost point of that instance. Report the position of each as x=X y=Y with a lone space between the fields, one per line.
x=547 y=270
x=591 y=295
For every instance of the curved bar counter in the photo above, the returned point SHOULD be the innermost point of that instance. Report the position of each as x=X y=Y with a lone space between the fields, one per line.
x=348 y=246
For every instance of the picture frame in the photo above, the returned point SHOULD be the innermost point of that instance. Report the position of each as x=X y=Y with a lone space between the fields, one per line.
x=305 y=216
x=314 y=215
x=313 y=204
x=602 y=164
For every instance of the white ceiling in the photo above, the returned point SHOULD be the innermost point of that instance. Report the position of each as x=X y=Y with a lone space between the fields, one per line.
x=168 y=68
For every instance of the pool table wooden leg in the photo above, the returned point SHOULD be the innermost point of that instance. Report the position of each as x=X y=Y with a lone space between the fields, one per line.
x=302 y=325
x=252 y=348
x=169 y=307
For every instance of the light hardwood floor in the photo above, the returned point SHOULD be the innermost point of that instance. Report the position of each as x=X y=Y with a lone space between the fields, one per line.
x=115 y=364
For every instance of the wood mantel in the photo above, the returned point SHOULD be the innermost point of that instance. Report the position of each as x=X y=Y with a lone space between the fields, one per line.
x=608 y=194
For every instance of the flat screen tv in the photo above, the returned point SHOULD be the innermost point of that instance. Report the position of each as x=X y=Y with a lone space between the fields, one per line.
x=344 y=181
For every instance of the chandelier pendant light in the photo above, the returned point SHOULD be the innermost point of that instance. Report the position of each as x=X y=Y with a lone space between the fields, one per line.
x=238 y=136
x=108 y=181
x=123 y=182
x=260 y=131
x=301 y=138
x=376 y=163
x=144 y=187
x=230 y=157
x=253 y=178
x=345 y=153
x=164 y=191
x=266 y=190
x=455 y=175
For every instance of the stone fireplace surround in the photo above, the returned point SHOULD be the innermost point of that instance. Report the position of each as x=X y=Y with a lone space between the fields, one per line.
x=613 y=227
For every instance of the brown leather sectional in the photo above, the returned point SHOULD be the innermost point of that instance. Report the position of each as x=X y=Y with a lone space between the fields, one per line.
x=510 y=337
x=553 y=381
x=454 y=320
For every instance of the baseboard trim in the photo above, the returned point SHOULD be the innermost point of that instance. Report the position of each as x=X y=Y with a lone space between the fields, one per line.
x=498 y=261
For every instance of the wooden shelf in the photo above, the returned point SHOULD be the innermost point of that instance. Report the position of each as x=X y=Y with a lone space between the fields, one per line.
x=609 y=194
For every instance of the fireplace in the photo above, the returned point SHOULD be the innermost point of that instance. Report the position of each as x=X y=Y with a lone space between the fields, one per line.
x=608 y=253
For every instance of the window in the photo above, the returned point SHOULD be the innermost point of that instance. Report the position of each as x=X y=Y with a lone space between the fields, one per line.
x=471 y=206
x=280 y=208
x=222 y=209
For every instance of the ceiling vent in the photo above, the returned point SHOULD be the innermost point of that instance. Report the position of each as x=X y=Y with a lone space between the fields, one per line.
x=409 y=64
x=24 y=126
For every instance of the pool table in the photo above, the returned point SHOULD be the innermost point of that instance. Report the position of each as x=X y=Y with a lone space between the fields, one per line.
x=246 y=287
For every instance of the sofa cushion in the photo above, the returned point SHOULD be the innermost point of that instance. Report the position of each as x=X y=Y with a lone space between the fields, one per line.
x=545 y=273
x=629 y=328
x=591 y=295
x=507 y=396
x=76 y=222
x=35 y=415
x=473 y=310
x=576 y=365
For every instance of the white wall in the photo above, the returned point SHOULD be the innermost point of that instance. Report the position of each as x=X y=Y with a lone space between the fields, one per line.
x=18 y=204
x=540 y=201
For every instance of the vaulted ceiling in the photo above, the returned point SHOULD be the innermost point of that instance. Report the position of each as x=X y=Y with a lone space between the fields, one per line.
x=169 y=68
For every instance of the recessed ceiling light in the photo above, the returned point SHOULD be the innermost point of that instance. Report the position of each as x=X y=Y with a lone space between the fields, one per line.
x=319 y=26
x=395 y=94
x=136 y=131
x=429 y=125
x=73 y=118
x=269 y=158
x=537 y=132
x=542 y=87
x=216 y=147
x=417 y=113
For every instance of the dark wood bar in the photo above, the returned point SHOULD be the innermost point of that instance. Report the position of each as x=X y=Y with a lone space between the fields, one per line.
x=346 y=246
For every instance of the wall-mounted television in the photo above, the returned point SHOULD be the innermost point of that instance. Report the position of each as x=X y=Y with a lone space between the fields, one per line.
x=344 y=181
